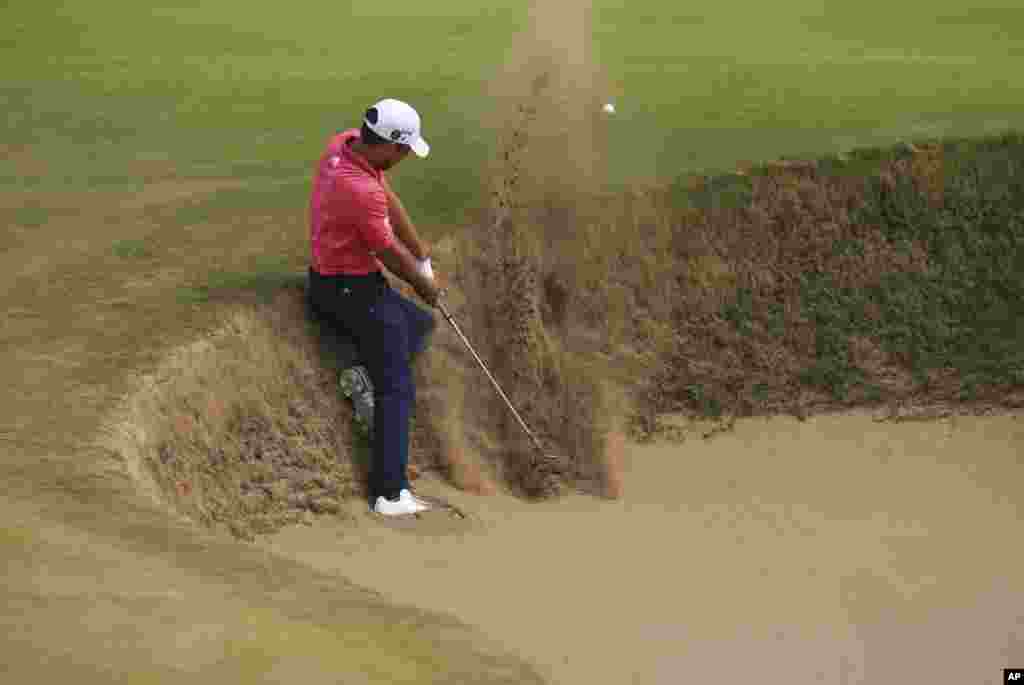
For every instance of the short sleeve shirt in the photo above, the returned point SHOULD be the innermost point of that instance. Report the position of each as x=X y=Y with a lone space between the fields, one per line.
x=348 y=211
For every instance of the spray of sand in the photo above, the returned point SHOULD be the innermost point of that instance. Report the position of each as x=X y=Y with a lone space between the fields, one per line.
x=545 y=169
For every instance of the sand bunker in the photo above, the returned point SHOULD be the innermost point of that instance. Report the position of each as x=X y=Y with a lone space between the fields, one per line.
x=836 y=550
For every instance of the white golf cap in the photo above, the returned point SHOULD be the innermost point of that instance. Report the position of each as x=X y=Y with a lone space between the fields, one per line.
x=398 y=122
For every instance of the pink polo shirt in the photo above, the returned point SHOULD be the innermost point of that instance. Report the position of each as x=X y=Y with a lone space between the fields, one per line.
x=348 y=211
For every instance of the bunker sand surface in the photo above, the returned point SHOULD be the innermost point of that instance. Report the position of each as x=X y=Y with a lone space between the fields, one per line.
x=837 y=550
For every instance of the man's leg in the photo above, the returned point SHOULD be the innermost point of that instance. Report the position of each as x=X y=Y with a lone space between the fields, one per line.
x=385 y=349
x=380 y=329
x=336 y=342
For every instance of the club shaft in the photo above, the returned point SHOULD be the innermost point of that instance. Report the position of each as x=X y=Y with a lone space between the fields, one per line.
x=483 y=366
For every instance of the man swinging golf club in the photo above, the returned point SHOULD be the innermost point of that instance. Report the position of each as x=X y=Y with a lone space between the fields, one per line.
x=357 y=226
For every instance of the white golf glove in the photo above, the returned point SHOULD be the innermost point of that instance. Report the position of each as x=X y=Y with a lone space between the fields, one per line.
x=424 y=268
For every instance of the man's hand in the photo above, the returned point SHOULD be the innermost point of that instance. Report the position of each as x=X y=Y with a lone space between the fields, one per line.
x=400 y=262
x=428 y=290
x=425 y=268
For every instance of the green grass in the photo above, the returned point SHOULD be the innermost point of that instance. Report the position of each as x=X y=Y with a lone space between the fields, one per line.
x=31 y=217
x=708 y=406
x=131 y=249
x=222 y=88
x=966 y=311
x=264 y=277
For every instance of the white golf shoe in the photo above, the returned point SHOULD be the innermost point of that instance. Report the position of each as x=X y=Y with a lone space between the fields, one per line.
x=406 y=504
x=419 y=502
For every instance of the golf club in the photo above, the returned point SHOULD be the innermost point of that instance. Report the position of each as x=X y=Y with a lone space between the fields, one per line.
x=533 y=438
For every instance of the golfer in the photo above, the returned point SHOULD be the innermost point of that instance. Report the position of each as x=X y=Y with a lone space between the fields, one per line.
x=358 y=226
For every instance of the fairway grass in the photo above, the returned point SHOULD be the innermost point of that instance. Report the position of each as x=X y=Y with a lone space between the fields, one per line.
x=103 y=93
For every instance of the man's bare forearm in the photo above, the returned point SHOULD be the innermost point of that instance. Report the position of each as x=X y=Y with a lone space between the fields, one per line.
x=402 y=224
x=400 y=262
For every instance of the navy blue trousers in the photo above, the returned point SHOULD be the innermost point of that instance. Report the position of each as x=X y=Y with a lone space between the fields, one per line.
x=389 y=331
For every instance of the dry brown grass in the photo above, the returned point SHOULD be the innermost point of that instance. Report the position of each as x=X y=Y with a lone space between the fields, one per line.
x=744 y=331
x=243 y=427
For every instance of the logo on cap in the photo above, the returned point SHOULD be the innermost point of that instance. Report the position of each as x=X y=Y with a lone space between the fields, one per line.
x=400 y=134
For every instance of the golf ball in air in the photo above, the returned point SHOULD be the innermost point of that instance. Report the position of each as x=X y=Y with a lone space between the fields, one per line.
x=609 y=108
